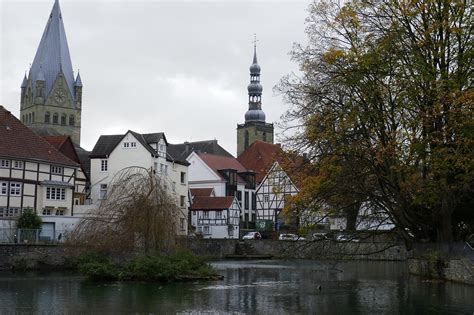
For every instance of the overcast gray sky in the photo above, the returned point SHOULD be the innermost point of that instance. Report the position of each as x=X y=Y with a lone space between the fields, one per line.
x=180 y=67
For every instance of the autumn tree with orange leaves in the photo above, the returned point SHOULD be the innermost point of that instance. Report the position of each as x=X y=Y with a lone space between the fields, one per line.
x=383 y=108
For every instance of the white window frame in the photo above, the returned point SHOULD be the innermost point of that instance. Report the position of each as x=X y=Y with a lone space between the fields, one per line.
x=55 y=193
x=15 y=189
x=126 y=145
x=19 y=165
x=3 y=188
x=103 y=189
x=182 y=177
x=133 y=144
x=57 y=170
x=4 y=163
x=182 y=224
x=205 y=215
x=182 y=201
x=206 y=230
x=218 y=214
x=104 y=165
x=266 y=198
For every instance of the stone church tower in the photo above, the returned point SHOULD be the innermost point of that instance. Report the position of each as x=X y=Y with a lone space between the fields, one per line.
x=255 y=127
x=51 y=98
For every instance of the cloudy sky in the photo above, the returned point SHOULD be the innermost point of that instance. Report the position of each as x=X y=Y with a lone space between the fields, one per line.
x=180 y=67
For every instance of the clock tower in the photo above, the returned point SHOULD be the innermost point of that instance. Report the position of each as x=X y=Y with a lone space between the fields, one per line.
x=51 y=96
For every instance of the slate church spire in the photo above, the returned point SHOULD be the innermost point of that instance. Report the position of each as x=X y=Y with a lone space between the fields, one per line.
x=255 y=89
x=255 y=127
x=51 y=101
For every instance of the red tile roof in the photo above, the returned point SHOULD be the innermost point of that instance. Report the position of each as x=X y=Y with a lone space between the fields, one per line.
x=201 y=192
x=212 y=203
x=259 y=157
x=219 y=162
x=18 y=141
x=56 y=141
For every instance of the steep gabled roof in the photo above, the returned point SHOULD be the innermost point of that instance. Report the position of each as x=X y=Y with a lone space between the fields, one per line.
x=65 y=145
x=259 y=157
x=211 y=203
x=18 y=142
x=219 y=162
x=107 y=143
x=201 y=192
x=183 y=150
x=52 y=56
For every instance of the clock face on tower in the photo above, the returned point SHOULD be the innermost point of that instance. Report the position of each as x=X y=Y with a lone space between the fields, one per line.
x=60 y=96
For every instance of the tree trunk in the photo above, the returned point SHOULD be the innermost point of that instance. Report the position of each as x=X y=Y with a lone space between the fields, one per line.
x=351 y=217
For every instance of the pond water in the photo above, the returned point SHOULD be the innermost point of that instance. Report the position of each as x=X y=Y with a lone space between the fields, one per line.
x=249 y=287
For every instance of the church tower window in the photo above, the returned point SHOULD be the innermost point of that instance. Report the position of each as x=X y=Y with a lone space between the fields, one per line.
x=46 y=117
x=63 y=119
x=71 y=120
x=55 y=118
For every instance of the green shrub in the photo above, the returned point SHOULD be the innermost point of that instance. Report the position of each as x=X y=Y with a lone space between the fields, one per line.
x=158 y=267
x=29 y=220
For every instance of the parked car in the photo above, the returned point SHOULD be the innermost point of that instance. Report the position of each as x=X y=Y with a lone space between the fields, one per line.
x=320 y=237
x=346 y=238
x=291 y=237
x=252 y=236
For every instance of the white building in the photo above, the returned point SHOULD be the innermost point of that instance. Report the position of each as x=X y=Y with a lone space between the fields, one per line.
x=273 y=182
x=113 y=153
x=35 y=175
x=227 y=177
x=215 y=217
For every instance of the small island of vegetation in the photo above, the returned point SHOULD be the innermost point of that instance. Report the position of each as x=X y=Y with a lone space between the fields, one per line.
x=177 y=266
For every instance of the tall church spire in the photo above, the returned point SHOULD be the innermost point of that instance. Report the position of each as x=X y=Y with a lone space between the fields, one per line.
x=255 y=89
x=255 y=127
x=51 y=99
x=52 y=56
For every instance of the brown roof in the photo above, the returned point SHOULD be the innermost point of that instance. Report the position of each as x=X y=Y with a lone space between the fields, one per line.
x=211 y=203
x=219 y=162
x=201 y=192
x=259 y=157
x=65 y=145
x=18 y=141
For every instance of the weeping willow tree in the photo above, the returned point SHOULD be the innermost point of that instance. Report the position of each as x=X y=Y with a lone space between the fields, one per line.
x=138 y=212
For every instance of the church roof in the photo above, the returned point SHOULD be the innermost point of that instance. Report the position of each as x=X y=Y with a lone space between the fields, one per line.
x=18 y=142
x=183 y=150
x=52 y=55
x=78 y=80
x=24 y=83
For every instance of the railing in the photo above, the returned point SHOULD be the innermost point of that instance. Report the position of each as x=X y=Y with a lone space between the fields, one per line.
x=31 y=236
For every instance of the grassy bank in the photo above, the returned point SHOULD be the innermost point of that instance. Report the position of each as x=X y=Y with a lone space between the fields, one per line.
x=179 y=266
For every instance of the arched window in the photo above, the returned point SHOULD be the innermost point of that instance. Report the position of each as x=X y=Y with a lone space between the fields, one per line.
x=46 y=117
x=63 y=119
x=55 y=118
x=264 y=136
x=29 y=118
x=246 y=139
x=33 y=117
x=71 y=120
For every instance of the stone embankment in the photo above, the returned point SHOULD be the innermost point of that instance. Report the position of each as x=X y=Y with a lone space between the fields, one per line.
x=454 y=261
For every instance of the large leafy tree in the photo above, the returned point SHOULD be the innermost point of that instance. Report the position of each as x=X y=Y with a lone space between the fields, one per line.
x=384 y=110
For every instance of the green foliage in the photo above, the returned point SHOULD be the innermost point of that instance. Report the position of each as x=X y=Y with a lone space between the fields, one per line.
x=156 y=268
x=385 y=105
x=29 y=220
